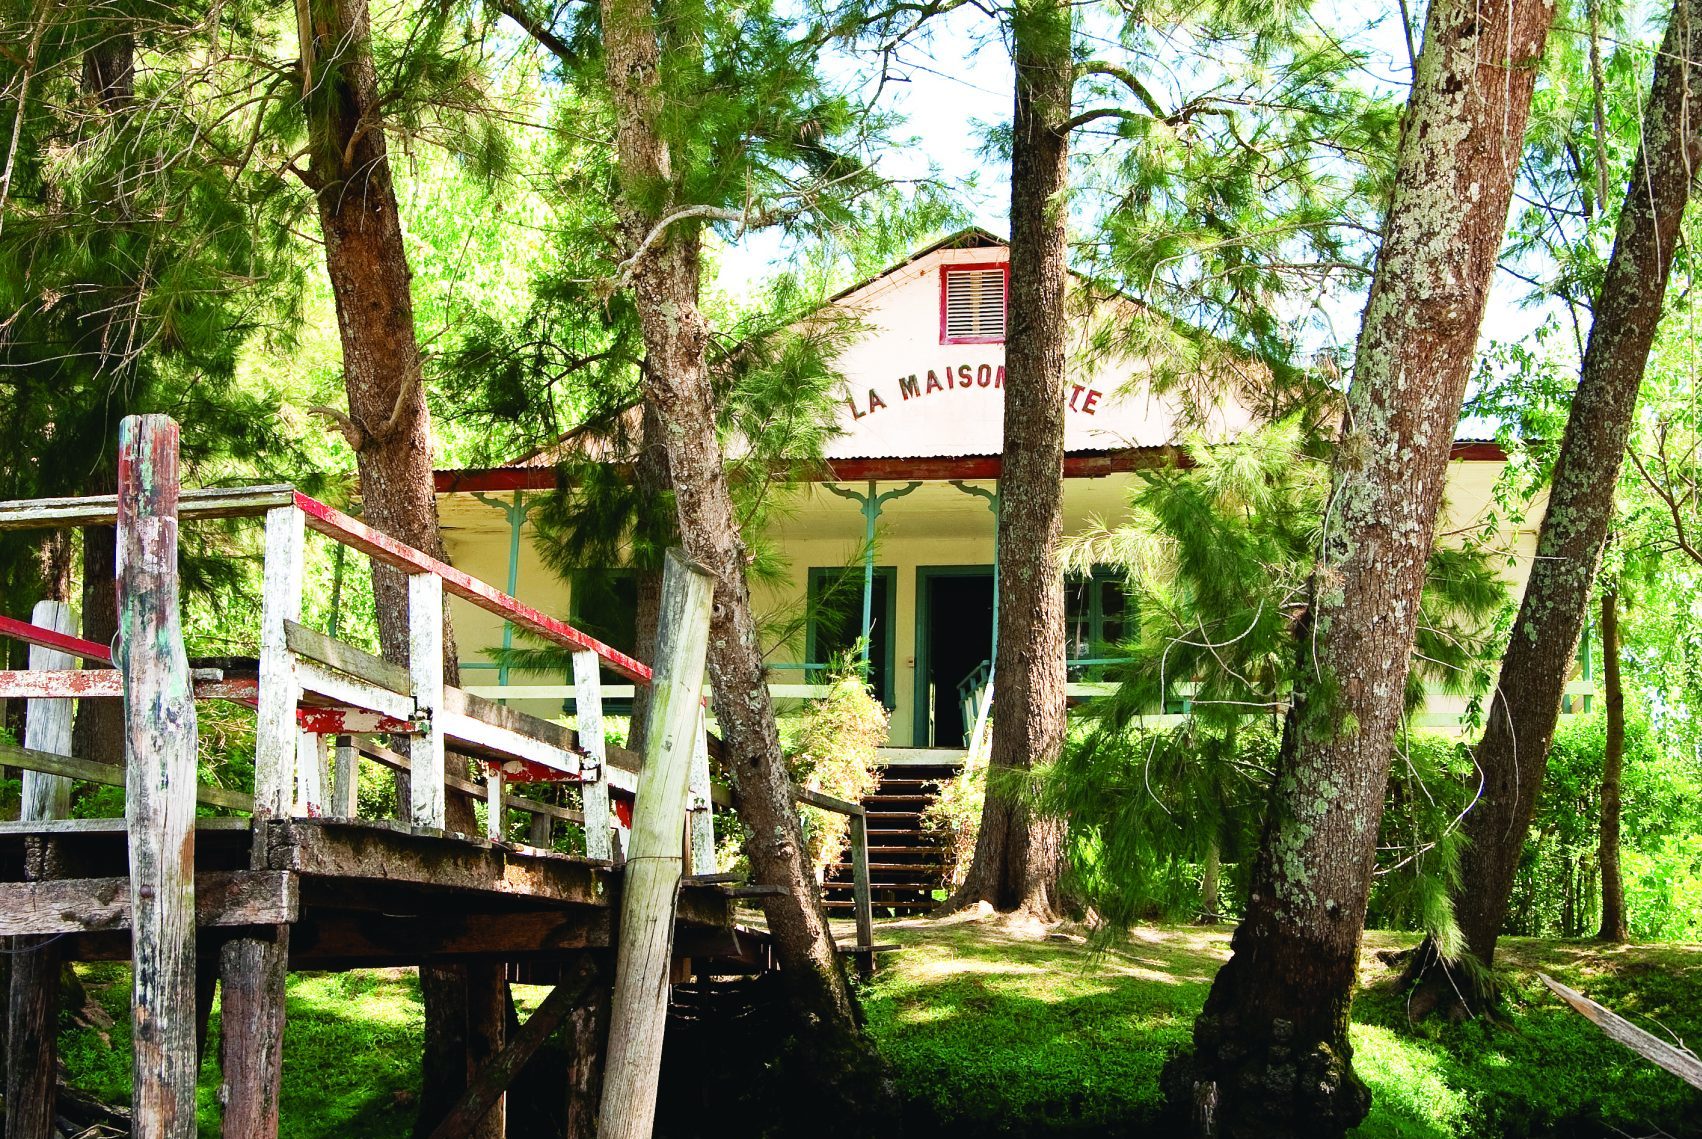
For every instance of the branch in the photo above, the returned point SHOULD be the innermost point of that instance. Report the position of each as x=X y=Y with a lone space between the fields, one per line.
x=537 y=29
x=1665 y=494
x=1124 y=76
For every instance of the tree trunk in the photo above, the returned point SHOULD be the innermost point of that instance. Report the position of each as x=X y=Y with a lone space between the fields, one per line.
x=388 y=425
x=1613 y=926
x=1017 y=853
x=1271 y=1055
x=1514 y=752
x=665 y=282
x=650 y=481
x=1211 y=889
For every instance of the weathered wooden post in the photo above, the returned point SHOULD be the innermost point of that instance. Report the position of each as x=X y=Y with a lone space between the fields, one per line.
x=426 y=757
x=159 y=807
x=861 y=894
x=275 y=731
x=345 y=794
x=33 y=1032
x=588 y=723
x=639 y=1006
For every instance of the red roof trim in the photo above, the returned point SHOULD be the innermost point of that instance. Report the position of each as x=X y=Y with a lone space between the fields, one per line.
x=1082 y=465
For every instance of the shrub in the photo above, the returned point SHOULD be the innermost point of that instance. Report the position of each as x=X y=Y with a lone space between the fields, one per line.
x=833 y=751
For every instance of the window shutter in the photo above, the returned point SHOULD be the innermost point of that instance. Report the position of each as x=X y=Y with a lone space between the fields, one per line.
x=975 y=304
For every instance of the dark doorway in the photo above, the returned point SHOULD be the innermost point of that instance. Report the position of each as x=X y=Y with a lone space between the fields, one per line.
x=957 y=636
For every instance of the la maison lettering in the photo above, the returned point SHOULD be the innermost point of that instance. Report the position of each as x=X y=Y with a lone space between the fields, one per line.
x=963 y=378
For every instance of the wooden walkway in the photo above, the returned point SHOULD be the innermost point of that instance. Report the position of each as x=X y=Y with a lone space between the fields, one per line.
x=288 y=877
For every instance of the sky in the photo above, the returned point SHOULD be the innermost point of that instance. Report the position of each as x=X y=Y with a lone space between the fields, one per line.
x=957 y=81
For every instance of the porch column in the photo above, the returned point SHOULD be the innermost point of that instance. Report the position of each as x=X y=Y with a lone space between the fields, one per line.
x=516 y=513
x=871 y=504
x=992 y=498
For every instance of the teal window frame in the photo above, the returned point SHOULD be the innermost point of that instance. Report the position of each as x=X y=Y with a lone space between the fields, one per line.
x=815 y=666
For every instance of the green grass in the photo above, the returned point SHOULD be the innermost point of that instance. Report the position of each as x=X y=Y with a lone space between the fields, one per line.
x=1001 y=1033
x=993 y=1031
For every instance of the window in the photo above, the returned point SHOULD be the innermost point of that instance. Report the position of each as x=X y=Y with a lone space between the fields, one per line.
x=836 y=622
x=1093 y=614
x=972 y=303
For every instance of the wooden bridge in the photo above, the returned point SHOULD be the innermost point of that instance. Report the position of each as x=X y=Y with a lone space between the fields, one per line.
x=200 y=884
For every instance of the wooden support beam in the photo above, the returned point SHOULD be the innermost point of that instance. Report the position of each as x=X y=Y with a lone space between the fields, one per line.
x=639 y=1006
x=827 y=802
x=33 y=1009
x=493 y=1079
x=251 y=979
x=594 y=793
x=102 y=683
x=160 y=739
x=1678 y=1061
x=92 y=905
x=425 y=668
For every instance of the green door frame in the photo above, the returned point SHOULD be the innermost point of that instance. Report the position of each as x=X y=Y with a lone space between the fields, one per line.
x=925 y=575
x=812 y=654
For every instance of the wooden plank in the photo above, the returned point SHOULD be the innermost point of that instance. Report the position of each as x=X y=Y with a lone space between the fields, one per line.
x=102 y=509
x=493 y=1079
x=107 y=826
x=529 y=759
x=827 y=802
x=159 y=802
x=594 y=793
x=1678 y=1061
x=98 y=683
x=84 y=905
x=327 y=938
x=639 y=1006
x=348 y=692
x=425 y=668
x=702 y=822
x=396 y=761
x=332 y=653
x=358 y=535
x=108 y=775
x=33 y=1022
x=252 y=971
x=51 y=638
x=279 y=691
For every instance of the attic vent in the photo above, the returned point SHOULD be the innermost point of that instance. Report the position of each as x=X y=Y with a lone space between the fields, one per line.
x=972 y=307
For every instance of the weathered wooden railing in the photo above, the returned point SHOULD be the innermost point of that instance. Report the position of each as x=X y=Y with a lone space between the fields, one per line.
x=321 y=703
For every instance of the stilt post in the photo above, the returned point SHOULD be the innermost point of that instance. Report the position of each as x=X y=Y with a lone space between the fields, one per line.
x=275 y=730
x=159 y=808
x=654 y=863
x=33 y=1033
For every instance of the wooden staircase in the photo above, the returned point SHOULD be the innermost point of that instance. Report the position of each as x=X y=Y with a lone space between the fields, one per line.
x=905 y=864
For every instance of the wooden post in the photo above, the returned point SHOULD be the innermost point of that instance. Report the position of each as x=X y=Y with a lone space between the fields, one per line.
x=495 y=813
x=33 y=1032
x=541 y=834
x=309 y=773
x=594 y=793
x=587 y=1030
x=702 y=808
x=159 y=808
x=860 y=892
x=275 y=727
x=425 y=669
x=345 y=794
x=639 y=1006
x=251 y=983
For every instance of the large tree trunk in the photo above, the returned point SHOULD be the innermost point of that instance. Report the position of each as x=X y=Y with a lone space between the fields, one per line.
x=665 y=282
x=1613 y=763
x=1271 y=1055
x=1017 y=853
x=650 y=481
x=1514 y=752
x=389 y=427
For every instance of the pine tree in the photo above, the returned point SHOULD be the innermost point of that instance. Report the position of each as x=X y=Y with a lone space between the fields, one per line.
x=1538 y=660
x=1271 y=1056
